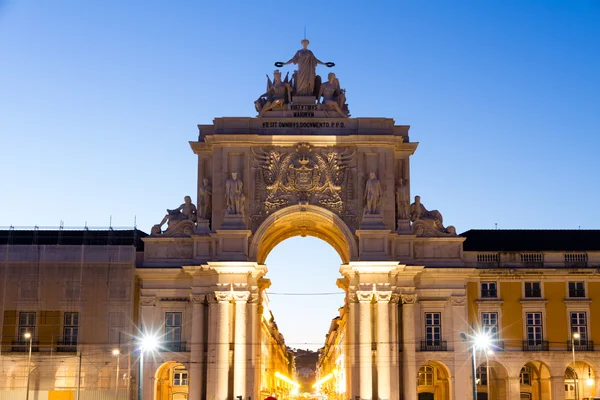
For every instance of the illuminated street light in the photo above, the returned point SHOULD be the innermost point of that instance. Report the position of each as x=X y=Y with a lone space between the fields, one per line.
x=27 y=335
x=117 y=352
x=481 y=341
x=589 y=380
x=148 y=343
x=575 y=336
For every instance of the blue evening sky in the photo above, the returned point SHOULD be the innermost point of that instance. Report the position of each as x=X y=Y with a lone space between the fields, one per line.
x=98 y=100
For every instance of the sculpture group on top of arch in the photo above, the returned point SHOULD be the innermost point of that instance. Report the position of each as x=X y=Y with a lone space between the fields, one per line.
x=305 y=87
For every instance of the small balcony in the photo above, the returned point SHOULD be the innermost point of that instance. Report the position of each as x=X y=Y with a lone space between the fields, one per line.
x=173 y=346
x=581 y=345
x=68 y=345
x=22 y=346
x=434 y=345
x=535 y=345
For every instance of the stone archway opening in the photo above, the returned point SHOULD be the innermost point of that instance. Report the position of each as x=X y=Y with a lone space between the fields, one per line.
x=303 y=220
x=171 y=382
x=534 y=380
x=580 y=381
x=492 y=381
x=305 y=304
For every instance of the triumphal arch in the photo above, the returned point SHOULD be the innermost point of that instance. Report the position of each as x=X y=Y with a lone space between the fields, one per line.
x=304 y=166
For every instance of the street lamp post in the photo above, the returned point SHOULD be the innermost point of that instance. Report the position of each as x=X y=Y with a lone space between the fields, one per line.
x=28 y=336
x=149 y=342
x=481 y=341
x=117 y=352
x=574 y=336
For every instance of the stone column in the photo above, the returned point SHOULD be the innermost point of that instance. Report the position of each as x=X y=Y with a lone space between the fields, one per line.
x=383 y=344
x=394 y=342
x=365 y=343
x=462 y=356
x=239 y=355
x=212 y=341
x=222 y=365
x=409 y=363
x=197 y=347
x=252 y=346
x=353 y=381
x=557 y=387
x=514 y=389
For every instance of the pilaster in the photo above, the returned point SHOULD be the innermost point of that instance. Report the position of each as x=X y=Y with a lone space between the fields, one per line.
x=365 y=343
x=409 y=364
x=383 y=344
x=197 y=346
x=239 y=355
x=557 y=387
x=222 y=364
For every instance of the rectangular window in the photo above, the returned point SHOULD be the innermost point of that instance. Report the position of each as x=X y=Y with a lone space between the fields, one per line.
x=488 y=290
x=576 y=289
x=173 y=327
x=482 y=375
x=426 y=375
x=489 y=323
x=71 y=328
x=26 y=325
x=533 y=289
x=534 y=328
x=180 y=378
x=579 y=325
x=116 y=325
x=433 y=329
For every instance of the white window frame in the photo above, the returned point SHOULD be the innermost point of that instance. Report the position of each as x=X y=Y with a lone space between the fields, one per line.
x=72 y=327
x=496 y=335
x=580 y=305
x=28 y=327
x=441 y=320
x=542 y=324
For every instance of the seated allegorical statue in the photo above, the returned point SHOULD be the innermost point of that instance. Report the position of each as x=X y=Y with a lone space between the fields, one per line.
x=185 y=212
x=428 y=222
x=277 y=95
x=333 y=96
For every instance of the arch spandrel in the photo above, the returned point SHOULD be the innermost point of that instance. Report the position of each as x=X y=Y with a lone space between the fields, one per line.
x=303 y=220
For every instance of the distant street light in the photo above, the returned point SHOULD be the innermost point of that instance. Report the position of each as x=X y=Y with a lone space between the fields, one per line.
x=28 y=336
x=117 y=352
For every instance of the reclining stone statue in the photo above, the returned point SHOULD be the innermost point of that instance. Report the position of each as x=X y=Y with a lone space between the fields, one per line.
x=179 y=220
x=428 y=223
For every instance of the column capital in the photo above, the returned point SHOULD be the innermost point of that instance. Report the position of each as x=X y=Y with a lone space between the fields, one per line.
x=409 y=298
x=364 y=296
x=241 y=297
x=147 y=301
x=223 y=296
x=197 y=299
x=383 y=296
x=458 y=301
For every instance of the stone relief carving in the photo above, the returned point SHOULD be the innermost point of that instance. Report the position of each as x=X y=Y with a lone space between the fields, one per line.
x=458 y=301
x=181 y=221
x=428 y=223
x=147 y=301
x=234 y=195
x=373 y=195
x=402 y=202
x=364 y=296
x=408 y=298
x=197 y=298
x=303 y=175
x=278 y=93
x=334 y=97
x=205 y=199
x=306 y=81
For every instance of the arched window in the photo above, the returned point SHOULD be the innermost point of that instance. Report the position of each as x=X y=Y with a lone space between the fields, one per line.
x=180 y=376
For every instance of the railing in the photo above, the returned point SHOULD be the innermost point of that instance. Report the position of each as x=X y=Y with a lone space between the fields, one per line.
x=581 y=345
x=66 y=346
x=173 y=346
x=535 y=345
x=22 y=346
x=434 y=345
x=497 y=345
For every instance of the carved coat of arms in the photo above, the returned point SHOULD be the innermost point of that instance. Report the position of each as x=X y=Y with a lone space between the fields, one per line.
x=302 y=175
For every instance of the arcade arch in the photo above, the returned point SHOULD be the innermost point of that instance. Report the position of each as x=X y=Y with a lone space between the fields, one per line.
x=534 y=380
x=580 y=380
x=171 y=382
x=433 y=381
